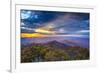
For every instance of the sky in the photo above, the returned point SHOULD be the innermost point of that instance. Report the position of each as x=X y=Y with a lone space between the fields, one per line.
x=43 y=23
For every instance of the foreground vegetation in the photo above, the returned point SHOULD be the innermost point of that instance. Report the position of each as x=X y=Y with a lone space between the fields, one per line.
x=44 y=52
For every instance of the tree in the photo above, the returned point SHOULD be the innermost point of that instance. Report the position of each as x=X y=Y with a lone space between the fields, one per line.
x=56 y=55
x=27 y=55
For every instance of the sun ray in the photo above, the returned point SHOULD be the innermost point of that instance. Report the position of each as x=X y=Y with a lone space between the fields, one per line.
x=47 y=29
x=44 y=31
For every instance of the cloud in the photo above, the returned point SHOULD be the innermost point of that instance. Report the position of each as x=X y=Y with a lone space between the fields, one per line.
x=22 y=24
x=66 y=23
x=26 y=28
x=25 y=14
x=52 y=36
x=83 y=31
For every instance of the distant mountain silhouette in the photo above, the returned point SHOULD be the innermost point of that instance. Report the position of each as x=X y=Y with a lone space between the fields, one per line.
x=75 y=43
x=56 y=44
x=70 y=43
x=62 y=44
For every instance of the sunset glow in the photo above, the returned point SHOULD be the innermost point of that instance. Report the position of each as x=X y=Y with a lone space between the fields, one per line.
x=30 y=35
x=44 y=31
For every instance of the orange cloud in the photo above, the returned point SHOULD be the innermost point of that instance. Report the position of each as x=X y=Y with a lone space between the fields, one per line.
x=29 y=35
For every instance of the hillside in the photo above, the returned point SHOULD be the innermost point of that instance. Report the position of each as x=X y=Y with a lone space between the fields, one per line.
x=52 y=51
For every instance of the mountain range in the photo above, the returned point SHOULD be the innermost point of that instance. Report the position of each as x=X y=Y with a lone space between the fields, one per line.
x=57 y=44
